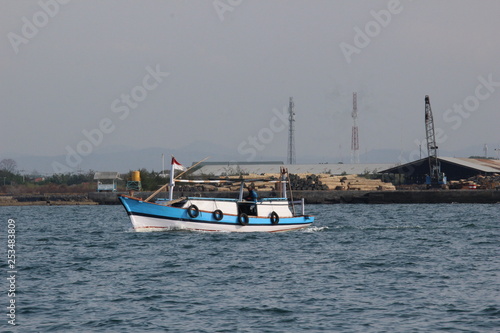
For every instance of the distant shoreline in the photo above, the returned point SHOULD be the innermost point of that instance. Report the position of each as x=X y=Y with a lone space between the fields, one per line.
x=50 y=203
x=311 y=197
x=47 y=200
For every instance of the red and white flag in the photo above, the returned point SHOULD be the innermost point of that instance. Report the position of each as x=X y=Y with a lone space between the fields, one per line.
x=177 y=165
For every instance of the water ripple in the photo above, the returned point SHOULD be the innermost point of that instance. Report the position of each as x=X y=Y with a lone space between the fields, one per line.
x=359 y=268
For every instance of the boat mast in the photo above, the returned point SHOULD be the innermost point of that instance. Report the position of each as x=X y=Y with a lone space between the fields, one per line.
x=284 y=172
x=171 y=183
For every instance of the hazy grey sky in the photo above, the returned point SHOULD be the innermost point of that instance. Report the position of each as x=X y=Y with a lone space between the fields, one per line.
x=87 y=76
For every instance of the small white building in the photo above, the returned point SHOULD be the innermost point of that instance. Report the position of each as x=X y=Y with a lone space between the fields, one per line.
x=106 y=181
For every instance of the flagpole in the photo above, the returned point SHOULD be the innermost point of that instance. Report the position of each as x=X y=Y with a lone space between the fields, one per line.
x=164 y=186
x=172 y=183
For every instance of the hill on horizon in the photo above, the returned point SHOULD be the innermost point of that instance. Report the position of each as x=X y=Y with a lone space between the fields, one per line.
x=123 y=159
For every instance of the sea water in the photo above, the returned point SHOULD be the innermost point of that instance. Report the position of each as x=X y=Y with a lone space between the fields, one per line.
x=359 y=268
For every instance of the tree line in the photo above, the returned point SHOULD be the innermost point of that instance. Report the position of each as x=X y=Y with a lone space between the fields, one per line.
x=12 y=181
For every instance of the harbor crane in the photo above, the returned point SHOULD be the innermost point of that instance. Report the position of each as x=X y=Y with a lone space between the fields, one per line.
x=435 y=178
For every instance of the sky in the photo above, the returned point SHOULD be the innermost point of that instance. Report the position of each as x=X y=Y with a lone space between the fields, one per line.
x=85 y=77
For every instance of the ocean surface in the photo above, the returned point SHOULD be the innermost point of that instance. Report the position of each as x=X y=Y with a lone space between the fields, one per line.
x=359 y=268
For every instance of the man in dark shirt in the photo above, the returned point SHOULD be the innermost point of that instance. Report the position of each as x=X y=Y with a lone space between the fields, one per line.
x=252 y=194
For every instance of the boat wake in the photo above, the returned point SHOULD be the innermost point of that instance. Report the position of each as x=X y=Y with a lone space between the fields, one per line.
x=152 y=229
x=314 y=229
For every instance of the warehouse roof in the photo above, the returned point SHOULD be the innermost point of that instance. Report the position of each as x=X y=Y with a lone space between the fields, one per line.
x=233 y=168
x=482 y=164
x=479 y=164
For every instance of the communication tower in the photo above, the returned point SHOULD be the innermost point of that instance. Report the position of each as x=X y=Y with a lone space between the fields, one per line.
x=355 y=139
x=291 y=133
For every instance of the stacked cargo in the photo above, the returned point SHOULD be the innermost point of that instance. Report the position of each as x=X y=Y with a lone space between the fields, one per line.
x=477 y=182
x=298 y=182
x=338 y=183
x=306 y=182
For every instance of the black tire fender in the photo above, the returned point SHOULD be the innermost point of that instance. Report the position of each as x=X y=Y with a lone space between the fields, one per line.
x=218 y=215
x=193 y=211
x=243 y=219
x=275 y=219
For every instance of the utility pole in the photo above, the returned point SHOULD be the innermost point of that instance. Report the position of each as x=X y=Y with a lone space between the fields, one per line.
x=354 y=138
x=291 y=133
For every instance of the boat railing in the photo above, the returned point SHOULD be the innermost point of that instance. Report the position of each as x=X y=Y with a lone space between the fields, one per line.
x=273 y=199
x=301 y=204
x=284 y=201
x=212 y=199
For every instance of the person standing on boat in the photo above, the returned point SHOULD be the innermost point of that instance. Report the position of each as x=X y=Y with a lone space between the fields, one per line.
x=252 y=194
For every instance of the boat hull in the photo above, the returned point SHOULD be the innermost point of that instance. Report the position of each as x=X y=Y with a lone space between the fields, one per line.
x=146 y=216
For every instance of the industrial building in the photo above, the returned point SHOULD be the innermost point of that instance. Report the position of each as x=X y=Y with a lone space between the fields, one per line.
x=410 y=173
x=453 y=167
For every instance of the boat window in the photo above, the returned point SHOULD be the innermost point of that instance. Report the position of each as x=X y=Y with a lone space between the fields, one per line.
x=249 y=208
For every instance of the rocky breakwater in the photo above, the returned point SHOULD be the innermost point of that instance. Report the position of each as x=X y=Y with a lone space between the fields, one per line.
x=45 y=200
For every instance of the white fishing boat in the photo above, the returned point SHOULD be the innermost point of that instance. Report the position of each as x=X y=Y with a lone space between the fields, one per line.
x=217 y=214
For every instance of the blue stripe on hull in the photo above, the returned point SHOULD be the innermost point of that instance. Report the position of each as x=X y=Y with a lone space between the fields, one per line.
x=146 y=209
x=251 y=221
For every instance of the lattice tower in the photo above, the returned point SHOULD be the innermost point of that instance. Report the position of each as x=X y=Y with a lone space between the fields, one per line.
x=291 y=133
x=354 y=138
